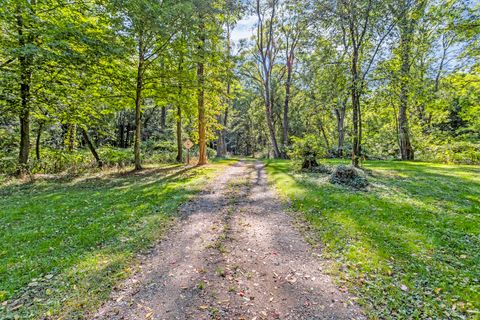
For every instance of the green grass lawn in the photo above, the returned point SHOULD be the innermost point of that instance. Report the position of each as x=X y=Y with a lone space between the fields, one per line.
x=65 y=243
x=409 y=246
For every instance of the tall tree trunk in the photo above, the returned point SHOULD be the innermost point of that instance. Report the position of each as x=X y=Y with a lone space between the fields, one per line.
x=91 y=147
x=37 y=141
x=324 y=134
x=138 y=103
x=126 y=143
x=163 y=119
x=121 y=136
x=225 y=124
x=202 y=138
x=24 y=134
x=25 y=61
x=406 y=149
x=271 y=130
x=285 y=122
x=221 y=140
x=270 y=120
x=265 y=45
x=340 y=115
x=179 y=134
x=356 y=116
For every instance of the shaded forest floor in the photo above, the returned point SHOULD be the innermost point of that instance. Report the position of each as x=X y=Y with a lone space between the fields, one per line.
x=65 y=242
x=408 y=246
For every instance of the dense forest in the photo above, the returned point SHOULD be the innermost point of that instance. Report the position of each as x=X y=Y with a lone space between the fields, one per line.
x=125 y=82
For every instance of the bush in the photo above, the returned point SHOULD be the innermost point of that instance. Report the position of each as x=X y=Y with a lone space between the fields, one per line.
x=459 y=152
x=165 y=146
x=8 y=163
x=55 y=161
x=111 y=156
x=305 y=152
x=349 y=176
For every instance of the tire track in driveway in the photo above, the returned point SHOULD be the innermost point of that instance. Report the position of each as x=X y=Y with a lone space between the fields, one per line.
x=234 y=255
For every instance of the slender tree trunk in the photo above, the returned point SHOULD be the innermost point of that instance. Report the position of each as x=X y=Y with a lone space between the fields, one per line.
x=126 y=143
x=406 y=149
x=91 y=147
x=340 y=115
x=179 y=134
x=356 y=149
x=270 y=120
x=25 y=80
x=324 y=134
x=221 y=141
x=224 y=130
x=271 y=130
x=202 y=139
x=285 y=122
x=24 y=135
x=341 y=136
x=138 y=104
x=37 y=141
x=265 y=45
x=163 y=119
x=121 y=135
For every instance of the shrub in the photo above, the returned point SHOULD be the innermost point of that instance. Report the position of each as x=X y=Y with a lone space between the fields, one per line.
x=55 y=161
x=165 y=146
x=306 y=151
x=8 y=163
x=111 y=156
x=349 y=176
x=460 y=152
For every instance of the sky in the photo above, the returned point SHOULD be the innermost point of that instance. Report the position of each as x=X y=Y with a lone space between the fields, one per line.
x=244 y=28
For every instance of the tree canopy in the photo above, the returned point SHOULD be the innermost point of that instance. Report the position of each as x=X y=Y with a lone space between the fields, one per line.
x=130 y=80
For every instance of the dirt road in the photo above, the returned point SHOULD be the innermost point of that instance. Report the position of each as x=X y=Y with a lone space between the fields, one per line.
x=235 y=255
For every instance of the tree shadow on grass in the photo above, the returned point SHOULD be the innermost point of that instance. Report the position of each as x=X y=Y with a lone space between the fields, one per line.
x=424 y=229
x=59 y=228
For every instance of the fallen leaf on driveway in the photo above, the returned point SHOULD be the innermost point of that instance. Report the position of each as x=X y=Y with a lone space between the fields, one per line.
x=291 y=279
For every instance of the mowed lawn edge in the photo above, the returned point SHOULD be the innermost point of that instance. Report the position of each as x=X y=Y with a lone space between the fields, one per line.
x=64 y=244
x=408 y=247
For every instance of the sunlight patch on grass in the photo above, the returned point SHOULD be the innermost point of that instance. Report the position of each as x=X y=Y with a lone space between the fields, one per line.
x=65 y=243
x=409 y=246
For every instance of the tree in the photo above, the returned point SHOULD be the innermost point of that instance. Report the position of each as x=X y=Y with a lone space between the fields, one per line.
x=361 y=23
x=293 y=27
x=407 y=13
x=232 y=10
x=151 y=25
x=265 y=56
x=44 y=41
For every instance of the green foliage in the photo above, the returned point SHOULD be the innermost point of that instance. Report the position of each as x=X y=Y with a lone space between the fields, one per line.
x=453 y=152
x=56 y=161
x=8 y=163
x=408 y=248
x=115 y=157
x=306 y=151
